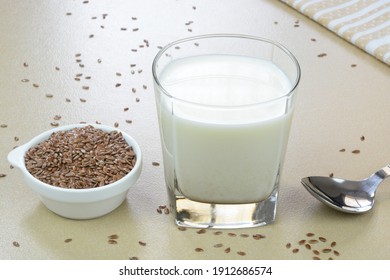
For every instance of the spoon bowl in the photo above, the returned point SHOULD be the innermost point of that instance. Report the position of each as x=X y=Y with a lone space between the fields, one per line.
x=345 y=195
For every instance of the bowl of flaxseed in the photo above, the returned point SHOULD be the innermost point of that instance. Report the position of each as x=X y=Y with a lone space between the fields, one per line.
x=80 y=171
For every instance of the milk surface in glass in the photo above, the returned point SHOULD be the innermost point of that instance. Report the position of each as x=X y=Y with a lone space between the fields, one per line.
x=226 y=130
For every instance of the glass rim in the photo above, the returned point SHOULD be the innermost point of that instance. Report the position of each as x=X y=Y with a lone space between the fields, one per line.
x=236 y=36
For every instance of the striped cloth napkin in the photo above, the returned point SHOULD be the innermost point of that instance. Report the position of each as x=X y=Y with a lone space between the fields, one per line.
x=364 y=23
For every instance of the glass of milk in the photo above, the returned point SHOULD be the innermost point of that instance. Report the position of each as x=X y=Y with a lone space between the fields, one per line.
x=224 y=105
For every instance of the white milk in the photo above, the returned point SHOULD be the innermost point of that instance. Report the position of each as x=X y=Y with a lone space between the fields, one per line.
x=221 y=154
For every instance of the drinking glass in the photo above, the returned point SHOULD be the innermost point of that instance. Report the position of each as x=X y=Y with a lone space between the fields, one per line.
x=224 y=105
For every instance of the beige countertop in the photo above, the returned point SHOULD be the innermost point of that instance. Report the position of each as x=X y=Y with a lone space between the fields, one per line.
x=344 y=94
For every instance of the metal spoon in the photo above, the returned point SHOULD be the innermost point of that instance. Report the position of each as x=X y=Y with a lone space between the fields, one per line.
x=344 y=195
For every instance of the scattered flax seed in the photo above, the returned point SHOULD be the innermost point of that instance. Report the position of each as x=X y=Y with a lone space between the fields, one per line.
x=3 y=125
x=155 y=163
x=336 y=253
x=126 y=109
x=16 y=244
x=134 y=90
x=67 y=100
x=159 y=211
x=353 y=65
x=333 y=244
x=218 y=232
x=316 y=258
x=342 y=150
x=113 y=236
x=199 y=250
x=118 y=85
x=2 y=175
x=244 y=235
x=227 y=250
x=88 y=77
x=49 y=95
x=116 y=124
x=295 y=250
x=331 y=174
x=91 y=36
x=322 y=239
x=123 y=29
x=142 y=243
x=182 y=228
x=316 y=252
x=55 y=124
x=16 y=138
x=112 y=241
x=25 y=64
x=362 y=138
x=258 y=236
x=36 y=85
x=322 y=55
x=99 y=60
x=308 y=246
x=218 y=245
x=129 y=121
x=25 y=80
x=57 y=117
x=144 y=87
x=133 y=258
x=83 y=100
x=326 y=250
x=68 y=240
x=288 y=245
x=135 y=29
x=57 y=68
x=301 y=242
x=85 y=87
x=241 y=253
x=166 y=211
x=356 y=151
x=137 y=99
x=309 y=234
x=313 y=241
x=232 y=234
x=201 y=231
x=313 y=39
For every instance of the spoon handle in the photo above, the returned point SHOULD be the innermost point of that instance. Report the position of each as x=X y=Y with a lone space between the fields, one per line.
x=384 y=172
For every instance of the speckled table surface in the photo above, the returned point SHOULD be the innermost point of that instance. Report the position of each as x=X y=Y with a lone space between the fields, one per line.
x=86 y=61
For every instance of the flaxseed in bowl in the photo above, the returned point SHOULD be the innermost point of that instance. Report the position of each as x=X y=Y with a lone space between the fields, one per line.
x=80 y=171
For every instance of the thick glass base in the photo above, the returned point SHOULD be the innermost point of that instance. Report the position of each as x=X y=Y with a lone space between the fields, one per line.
x=195 y=214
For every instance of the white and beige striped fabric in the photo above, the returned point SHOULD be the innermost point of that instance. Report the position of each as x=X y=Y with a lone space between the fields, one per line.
x=364 y=23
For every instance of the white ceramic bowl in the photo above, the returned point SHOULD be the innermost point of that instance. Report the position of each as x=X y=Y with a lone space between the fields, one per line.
x=78 y=203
